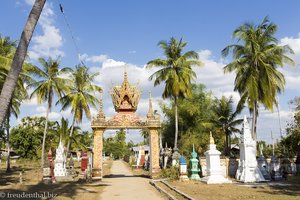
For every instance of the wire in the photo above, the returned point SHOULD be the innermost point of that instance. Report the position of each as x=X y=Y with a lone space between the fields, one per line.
x=71 y=32
x=61 y=8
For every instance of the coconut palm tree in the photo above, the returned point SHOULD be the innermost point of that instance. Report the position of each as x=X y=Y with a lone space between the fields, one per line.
x=176 y=72
x=19 y=57
x=7 y=50
x=256 y=58
x=81 y=96
x=226 y=121
x=49 y=83
x=64 y=133
x=20 y=94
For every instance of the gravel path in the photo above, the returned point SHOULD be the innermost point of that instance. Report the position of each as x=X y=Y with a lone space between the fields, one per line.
x=123 y=185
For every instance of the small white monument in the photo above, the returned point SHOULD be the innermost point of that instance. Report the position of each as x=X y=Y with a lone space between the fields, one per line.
x=263 y=165
x=60 y=161
x=248 y=170
x=213 y=171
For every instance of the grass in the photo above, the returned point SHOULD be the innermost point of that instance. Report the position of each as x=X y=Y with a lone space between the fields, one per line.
x=79 y=189
x=239 y=191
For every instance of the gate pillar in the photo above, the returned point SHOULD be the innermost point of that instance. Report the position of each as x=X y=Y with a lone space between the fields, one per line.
x=154 y=152
x=97 y=157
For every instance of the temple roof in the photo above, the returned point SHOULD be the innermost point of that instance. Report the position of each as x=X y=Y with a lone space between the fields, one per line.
x=125 y=97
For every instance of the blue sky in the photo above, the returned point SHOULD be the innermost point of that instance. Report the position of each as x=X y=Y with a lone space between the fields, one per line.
x=112 y=33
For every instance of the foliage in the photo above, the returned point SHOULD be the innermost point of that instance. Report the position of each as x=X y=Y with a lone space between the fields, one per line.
x=116 y=146
x=80 y=140
x=81 y=95
x=256 y=58
x=195 y=122
x=171 y=173
x=26 y=138
x=225 y=121
x=145 y=134
x=266 y=149
x=176 y=72
x=50 y=82
x=291 y=143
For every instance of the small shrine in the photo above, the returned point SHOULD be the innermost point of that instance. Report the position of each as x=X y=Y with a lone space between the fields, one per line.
x=183 y=169
x=194 y=166
x=213 y=170
x=125 y=98
x=60 y=161
x=248 y=170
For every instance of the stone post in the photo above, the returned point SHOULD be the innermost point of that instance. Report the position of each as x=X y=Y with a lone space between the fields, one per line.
x=97 y=150
x=154 y=152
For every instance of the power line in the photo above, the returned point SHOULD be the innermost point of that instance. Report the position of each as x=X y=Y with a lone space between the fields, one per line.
x=61 y=8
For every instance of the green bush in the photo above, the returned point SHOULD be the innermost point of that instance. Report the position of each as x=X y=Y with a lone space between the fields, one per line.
x=171 y=173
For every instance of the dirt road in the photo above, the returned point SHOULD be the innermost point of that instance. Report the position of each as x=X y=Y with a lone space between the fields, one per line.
x=123 y=185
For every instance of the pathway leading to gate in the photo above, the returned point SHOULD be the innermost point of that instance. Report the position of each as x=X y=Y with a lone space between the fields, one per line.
x=123 y=185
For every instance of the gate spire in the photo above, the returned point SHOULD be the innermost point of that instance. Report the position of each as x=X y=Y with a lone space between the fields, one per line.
x=150 y=111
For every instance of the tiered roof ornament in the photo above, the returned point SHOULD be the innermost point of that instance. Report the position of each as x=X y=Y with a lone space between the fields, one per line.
x=125 y=97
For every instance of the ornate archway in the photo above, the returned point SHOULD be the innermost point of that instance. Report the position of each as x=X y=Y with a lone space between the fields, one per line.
x=125 y=99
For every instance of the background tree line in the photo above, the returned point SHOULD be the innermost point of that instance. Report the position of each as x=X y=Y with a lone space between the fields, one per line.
x=26 y=138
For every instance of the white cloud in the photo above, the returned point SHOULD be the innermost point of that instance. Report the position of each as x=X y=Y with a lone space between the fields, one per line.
x=40 y=109
x=31 y=102
x=97 y=59
x=54 y=116
x=292 y=74
x=294 y=43
x=49 y=42
x=212 y=75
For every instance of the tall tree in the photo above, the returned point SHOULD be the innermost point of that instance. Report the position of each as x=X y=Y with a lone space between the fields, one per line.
x=26 y=138
x=19 y=57
x=64 y=134
x=50 y=83
x=226 y=121
x=81 y=96
x=176 y=72
x=256 y=58
x=7 y=50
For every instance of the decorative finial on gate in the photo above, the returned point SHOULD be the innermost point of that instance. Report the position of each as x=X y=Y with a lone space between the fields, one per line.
x=125 y=82
x=150 y=112
x=100 y=113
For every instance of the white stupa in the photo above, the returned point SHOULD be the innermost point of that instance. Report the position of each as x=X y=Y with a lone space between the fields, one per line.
x=248 y=170
x=213 y=170
x=60 y=161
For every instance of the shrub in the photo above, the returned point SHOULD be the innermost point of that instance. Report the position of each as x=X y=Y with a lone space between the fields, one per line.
x=171 y=173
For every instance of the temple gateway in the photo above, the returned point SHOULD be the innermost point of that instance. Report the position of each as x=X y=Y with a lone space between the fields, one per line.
x=125 y=99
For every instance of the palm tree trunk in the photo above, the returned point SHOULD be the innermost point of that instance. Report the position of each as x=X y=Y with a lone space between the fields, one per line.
x=44 y=136
x=176 y=124
x=227 y=144
x=8 y=144
x=19 y=57
x=254 y=121
x=71 y=133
